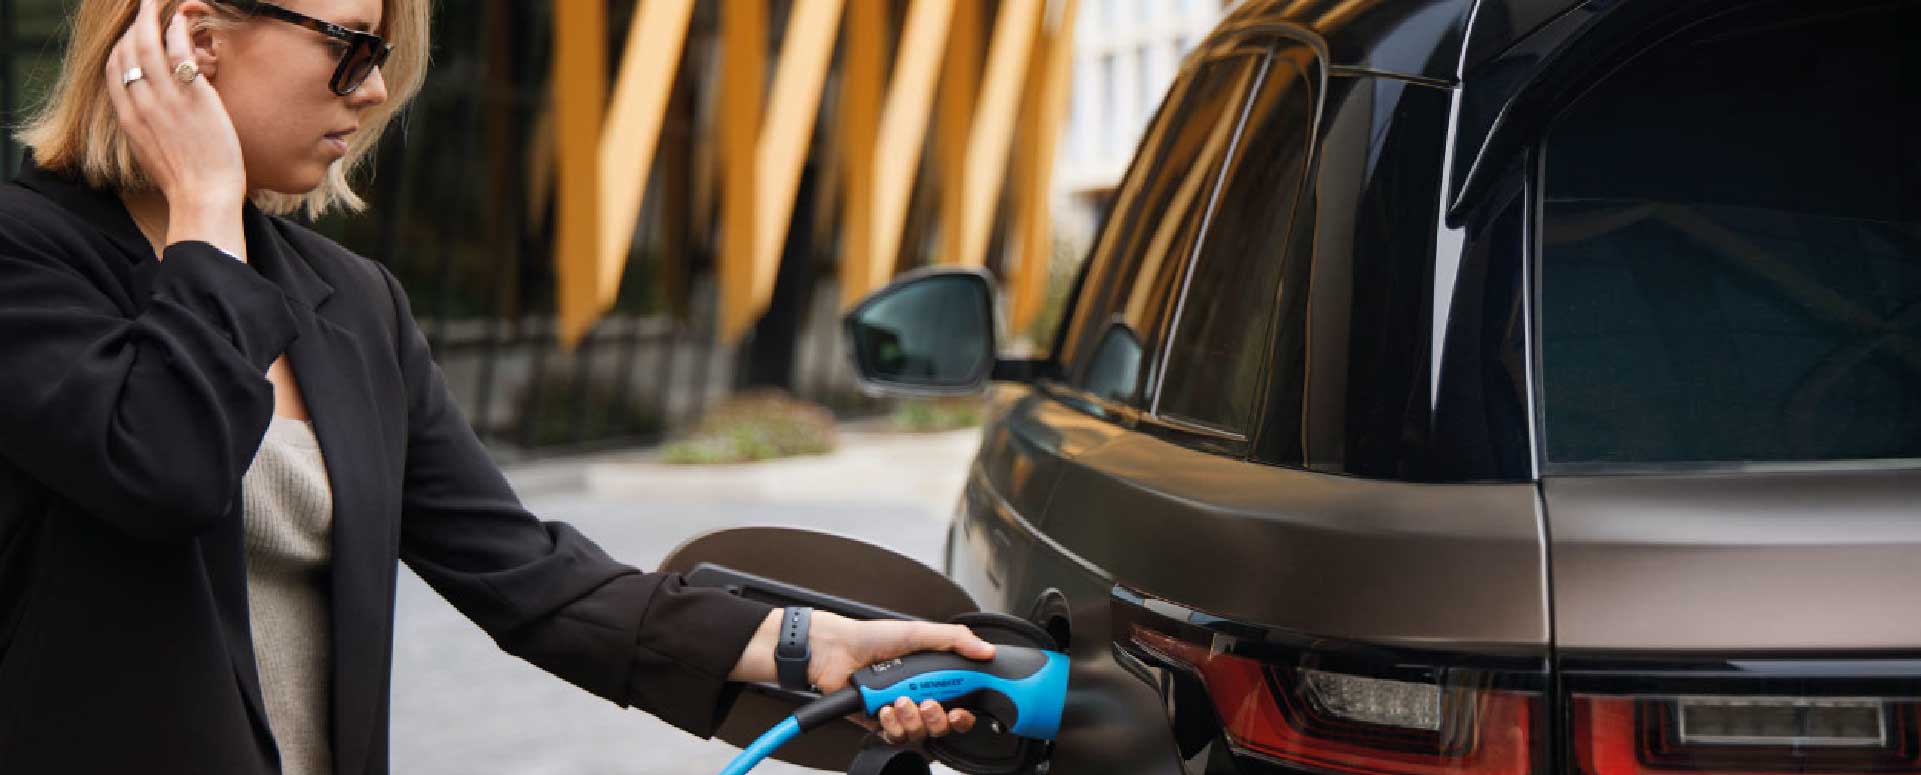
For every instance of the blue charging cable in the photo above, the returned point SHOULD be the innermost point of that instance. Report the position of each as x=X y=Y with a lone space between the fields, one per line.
x=763 y=747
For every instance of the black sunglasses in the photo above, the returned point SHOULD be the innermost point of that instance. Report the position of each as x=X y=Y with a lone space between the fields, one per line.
x=365 y=50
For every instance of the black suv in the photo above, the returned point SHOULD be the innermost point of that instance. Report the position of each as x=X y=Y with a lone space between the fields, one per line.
x=1497 y=387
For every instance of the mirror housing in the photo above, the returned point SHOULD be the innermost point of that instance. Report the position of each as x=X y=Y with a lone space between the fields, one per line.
x=930 y=333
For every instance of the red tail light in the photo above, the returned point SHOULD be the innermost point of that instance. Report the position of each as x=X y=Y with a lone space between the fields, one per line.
x=1346 y=722
x=1283 y=701
x=1736 y=735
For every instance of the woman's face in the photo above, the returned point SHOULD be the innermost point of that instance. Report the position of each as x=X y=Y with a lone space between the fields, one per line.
x=273 y=78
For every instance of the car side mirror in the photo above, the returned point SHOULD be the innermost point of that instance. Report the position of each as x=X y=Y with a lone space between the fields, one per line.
x=930 y=333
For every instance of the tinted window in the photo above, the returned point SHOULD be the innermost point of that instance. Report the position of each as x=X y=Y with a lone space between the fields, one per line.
x=1146 y=243
x=1731 y=261
x=1219 y=342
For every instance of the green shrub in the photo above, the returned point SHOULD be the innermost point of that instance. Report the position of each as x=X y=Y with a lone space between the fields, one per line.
x=755 y=425
x=928 y=415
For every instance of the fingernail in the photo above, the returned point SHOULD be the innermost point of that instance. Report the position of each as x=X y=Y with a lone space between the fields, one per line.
x=886 y=713
x=929 y=706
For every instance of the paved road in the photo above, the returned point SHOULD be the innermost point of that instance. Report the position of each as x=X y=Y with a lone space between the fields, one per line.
x=461 y=706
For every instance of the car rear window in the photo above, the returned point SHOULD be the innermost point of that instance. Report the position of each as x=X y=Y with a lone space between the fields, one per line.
x=1730 y=251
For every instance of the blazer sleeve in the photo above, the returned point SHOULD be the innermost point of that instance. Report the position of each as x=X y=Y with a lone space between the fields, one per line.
x=543 y=591
x=145 y=417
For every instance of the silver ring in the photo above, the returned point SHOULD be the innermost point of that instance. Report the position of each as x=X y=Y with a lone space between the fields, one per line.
x=186 y=71
x=885 y=738
x=132 y=74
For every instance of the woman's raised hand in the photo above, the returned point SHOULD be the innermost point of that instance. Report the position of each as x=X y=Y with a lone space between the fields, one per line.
x=180 y=131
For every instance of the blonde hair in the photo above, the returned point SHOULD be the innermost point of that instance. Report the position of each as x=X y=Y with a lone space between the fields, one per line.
x=75 y=128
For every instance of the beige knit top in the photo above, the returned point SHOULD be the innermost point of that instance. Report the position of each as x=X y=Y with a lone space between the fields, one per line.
x=289 y=519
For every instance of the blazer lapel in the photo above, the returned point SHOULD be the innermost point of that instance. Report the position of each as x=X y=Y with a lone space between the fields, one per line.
x=330 y=365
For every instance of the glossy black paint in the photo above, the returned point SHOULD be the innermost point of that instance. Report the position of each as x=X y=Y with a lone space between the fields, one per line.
x=1497 y=25
x=1481 y=417
x=1349 y=388
x=1508 y=98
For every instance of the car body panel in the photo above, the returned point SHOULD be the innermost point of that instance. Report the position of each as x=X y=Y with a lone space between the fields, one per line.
x=1112 y=722
x=1737 y=561
x=1329 y=555
x=1025 y=444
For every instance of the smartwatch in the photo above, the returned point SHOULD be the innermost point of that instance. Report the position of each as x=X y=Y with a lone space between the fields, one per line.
x=792 y=655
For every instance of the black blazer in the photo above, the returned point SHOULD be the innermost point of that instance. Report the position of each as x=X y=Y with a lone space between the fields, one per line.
x=132 y=399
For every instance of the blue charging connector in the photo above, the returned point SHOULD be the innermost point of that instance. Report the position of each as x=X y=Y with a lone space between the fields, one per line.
x=1023 y=690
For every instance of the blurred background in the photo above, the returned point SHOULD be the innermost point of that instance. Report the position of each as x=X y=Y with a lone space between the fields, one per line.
x=613 y=215
x=629 y=229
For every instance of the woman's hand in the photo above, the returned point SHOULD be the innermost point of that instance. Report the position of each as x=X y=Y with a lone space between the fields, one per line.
x=840 y=646
x=181 y=134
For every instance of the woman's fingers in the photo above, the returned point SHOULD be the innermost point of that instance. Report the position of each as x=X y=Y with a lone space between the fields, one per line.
x=179 y=44
x=890 y=727
x=181 y=135
x=904 y=723
x=949 y=637
x=117 y=95
x=933 y=718
x=147 y=47
x=121 y=93
x=910 y=721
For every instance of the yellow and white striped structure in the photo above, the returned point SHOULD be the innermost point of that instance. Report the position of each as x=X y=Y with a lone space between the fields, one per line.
x=1000 y=86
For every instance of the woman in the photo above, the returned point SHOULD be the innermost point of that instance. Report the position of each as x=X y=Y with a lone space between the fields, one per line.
x=219 y=431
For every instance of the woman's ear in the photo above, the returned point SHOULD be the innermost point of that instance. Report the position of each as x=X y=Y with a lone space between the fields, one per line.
x=207 y=41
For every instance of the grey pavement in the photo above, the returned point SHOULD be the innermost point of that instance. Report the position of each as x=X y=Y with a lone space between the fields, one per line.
x=461 y=706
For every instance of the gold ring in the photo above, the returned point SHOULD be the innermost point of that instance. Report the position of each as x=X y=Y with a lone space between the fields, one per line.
x=186 y=71
x=132 y=74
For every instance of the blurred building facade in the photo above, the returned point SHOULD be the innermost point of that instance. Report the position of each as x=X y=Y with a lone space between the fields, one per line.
x=610 y=214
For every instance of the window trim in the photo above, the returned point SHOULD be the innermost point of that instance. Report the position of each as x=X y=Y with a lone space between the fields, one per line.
x=1257 y=420
x=1200 y=241
x=1534 y=210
